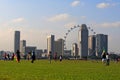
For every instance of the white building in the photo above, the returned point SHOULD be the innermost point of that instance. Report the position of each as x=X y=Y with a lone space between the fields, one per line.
x=22 y=45
x=74 y=50
x=50 y=44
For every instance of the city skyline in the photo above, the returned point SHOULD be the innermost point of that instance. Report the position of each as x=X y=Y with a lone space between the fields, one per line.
x=38 y=19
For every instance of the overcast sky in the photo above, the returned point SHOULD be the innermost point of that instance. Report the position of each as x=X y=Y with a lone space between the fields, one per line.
x=36 y=19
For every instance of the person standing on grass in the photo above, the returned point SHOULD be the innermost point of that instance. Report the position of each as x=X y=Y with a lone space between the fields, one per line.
x=8 y=56
x=18 y=56
x=103 y=57
x=33 y=57
x=55 y=56
x=60 y=57
x=50 y=56
x=13 y=55
x=5 y=56
x=107 y=59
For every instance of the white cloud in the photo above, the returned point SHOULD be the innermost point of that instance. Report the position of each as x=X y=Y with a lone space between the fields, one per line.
x=113 y=24
x=115 y=4
x=103 y=5
x=59 y=17
x=14 y=23
x=106 y=5
x=18 y=20
x=83 y=17
x=75 y=3
x=71 y=24
x=109 y=24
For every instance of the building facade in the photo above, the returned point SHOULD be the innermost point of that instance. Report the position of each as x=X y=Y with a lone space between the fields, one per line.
x=83 y=41
x=101 y=44
x=29 y=49
x=22 y=45
x=39 y=53
x=74 y=50
x=50 y=44
x=91 y=45
x=16 y=41
x=59 y=47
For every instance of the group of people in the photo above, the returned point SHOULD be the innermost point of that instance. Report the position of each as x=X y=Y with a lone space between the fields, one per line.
x=55 y=57
x=8 y=56
x=17 y=56
x=105 y=58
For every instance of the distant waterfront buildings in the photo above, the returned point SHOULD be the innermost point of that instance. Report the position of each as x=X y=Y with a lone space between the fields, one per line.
x=83 y=41
x=88 y=45
x=39 y=53
x=16 y=41
x=97 y=44
x=55 y=46
x=29 y=49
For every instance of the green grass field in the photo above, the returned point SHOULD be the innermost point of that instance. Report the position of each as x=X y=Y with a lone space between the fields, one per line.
x=65 y=70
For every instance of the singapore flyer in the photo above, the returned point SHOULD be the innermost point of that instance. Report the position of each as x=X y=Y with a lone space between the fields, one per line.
x=72 y=36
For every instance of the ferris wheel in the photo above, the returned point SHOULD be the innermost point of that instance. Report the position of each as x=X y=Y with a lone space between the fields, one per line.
x=73 y=28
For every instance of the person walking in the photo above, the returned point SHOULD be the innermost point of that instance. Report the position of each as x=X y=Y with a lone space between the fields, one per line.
x=13 y=56
x=50 y=56
x=18 y=56
x=5 y=56
x=33 y=57
x=55 y=56
x=103 y=57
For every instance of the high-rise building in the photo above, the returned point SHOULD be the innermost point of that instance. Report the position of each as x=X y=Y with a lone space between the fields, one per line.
x=50 y=44
x=91 y=45
x=74 y=50
x=16 y=41
x=83 y=41
x=101 y=44
x=59 y=47
x=22 y=45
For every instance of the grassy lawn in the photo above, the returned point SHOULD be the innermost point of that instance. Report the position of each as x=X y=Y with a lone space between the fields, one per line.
x=65 y=70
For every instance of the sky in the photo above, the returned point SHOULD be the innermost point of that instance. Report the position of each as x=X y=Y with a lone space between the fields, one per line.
x=37 y=19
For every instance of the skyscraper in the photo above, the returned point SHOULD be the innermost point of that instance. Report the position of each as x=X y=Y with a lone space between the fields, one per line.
x=83 y=41
x=22 y=45
x=92 y=45
x=101 y=44
x=16 y=41
x=74 y=50
x=50 y=44
x=59 y=47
